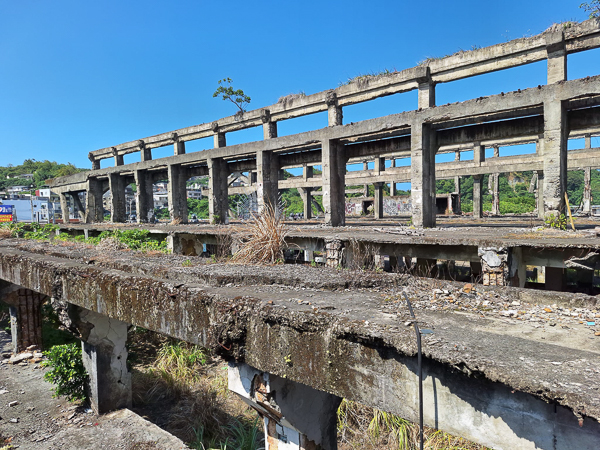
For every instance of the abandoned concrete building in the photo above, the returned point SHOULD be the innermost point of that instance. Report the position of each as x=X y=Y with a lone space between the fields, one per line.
x=503 y=387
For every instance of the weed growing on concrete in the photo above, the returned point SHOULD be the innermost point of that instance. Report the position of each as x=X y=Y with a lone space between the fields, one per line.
x=179 y=361
x=187 y=263
x=67 y=371
x=364 y=78
x=262 y=240
x=40 y=232
x=555 y=220
x=291 y=97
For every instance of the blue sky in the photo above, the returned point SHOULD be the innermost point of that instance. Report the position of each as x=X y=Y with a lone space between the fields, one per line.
x=77 y=76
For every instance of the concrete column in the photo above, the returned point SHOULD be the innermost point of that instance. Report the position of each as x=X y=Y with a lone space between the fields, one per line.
x=117 y=194
x=78 y=209
x=477 y=200
x=219 y=137
x=494 y=181
x=365 y=186
x=95 y=162
x=555 y=157
x=218 y=198
x=457 y=184
x=64 y=207
x=105 y=360
x=379 y=165
x=393 y=183
x=295 y=416
x=495 y=266
x=587 y=191
x=307 y=172
x=94 y=208
x=144 y=199
x=588 y=141
x=334 y=188
x=426 y=90
x=423 y=175
x=478 y=154
x=557 y=57
x=117 y=156
x=335 y=115
x=269 y=127
x=25 y=316
x=146 y=153
x=267 y=179
x=540 y=194
x=179 y=148
x=378 y=200
x=177 y=193
x=306 y=195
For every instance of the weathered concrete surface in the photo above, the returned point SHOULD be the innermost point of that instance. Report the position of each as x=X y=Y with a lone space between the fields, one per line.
x=25 y=316
x=353 y=343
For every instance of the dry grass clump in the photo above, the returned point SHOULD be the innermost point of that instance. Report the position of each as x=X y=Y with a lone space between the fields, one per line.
x=361 y=255
x=5 y=233
x=363 y=427
x=262 y=240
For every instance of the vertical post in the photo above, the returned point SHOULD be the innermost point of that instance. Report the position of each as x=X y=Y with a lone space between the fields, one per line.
x=144 y=198
x=477 y=204
x=64 y=208
x=78 y=209
x=555 y=156
x=177 y=193
x=540 y=194
x=588 y=141
x=178 y=146
x=494 y=179
x=334 y=111
x=423 y=175
x=117 y=156
x=457 y=184
x=105 y=359
x=269 y=127
x=146 y=153
x=94 y=209
x=117 y=193
x=378 y=200
x=95 y=162
x=267 y=179
x=334 y=190
x=306 y=195
x=366 y=186
x=426 y=90
x=218 y=204
x=557 y=57
x=587 y=191
x=393 y=183
x=219 y=137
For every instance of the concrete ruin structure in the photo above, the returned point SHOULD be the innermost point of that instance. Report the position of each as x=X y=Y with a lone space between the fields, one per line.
x=293 y=355
x=547 y=115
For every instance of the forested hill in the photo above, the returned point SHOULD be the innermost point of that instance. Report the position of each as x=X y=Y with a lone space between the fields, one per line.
x=41 y=171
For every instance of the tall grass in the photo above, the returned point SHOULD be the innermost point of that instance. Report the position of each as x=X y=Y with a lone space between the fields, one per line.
x=262 y=239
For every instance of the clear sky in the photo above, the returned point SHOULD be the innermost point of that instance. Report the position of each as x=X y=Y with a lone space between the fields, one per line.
x=77 y=76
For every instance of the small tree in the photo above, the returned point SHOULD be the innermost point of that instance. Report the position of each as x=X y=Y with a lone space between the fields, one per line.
x=237 y=97
x=593 y=8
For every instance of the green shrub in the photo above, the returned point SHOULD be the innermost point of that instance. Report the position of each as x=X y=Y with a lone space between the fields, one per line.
x=555 y=220
x=67 y=373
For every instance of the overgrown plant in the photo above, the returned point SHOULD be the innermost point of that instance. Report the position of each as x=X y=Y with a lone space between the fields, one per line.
x=556 y=220
x=592 y=8
x=237 y=97
x=67 y=371
x=262 y=240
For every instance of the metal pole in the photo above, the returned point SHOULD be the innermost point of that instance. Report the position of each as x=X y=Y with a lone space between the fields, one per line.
x=420 y=370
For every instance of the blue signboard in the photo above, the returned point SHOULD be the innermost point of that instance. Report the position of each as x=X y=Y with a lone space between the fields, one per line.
x=6 y=213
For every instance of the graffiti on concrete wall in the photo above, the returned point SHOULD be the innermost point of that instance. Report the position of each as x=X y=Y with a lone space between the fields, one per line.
x=392 y=206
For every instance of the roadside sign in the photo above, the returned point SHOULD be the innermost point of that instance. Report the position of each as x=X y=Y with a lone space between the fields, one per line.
x=6 y=213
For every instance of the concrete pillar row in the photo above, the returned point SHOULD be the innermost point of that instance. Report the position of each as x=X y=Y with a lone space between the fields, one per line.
x=587 y=191
x=267 y=179
x=218 y=199
x=296 y=416
x=25 y=308
x=144 y=196
x=104 y=355
x=378 y=200
x=94 y=208
x=555 y=156
x=423 y=146
x=477 y=200
x=177 y=193
x=117 y=197
x=333 y=162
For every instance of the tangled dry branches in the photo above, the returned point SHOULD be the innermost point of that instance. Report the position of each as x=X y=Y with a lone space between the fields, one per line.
x=262 y=240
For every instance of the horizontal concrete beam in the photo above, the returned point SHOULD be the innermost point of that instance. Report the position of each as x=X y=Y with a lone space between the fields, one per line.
x=577 y=38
